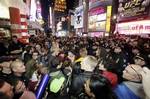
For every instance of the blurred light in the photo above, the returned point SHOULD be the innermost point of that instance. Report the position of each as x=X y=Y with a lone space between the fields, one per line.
x=122 y=15
x=33 y=10
x=59 y=26
x=114 y=17
x=38 y=2
x=63 y=19
x=5 y=12
x=106 y=34
x=50 y=12
x=68 y=17
x=84 y=3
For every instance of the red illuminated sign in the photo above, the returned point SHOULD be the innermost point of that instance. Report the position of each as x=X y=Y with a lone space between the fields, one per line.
x=98 y=10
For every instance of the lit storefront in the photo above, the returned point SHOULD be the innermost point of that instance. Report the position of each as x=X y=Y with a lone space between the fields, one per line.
x=13 y=18
x=5 y=28
x=4 y=21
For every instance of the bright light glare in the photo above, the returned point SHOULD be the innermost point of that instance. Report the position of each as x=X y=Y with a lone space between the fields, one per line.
x=4 y=13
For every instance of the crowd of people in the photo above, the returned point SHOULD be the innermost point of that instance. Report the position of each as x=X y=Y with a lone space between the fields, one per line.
x=79 y=68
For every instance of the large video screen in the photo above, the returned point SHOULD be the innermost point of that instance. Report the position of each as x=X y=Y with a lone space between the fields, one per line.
x=97 y=19
x=97 y=22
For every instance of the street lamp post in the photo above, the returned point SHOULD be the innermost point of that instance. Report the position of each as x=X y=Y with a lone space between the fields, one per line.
x=85 y=18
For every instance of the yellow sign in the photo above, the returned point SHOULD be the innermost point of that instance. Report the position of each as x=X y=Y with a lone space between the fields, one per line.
x=108 y=18
x=60 y=5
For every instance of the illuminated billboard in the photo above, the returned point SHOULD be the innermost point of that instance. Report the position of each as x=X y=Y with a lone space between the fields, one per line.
x=133 y=9
x=108 y=20
x=97 y=26
x=134 y=28
x=79 y=17
x=97 y=19
x=100 y=19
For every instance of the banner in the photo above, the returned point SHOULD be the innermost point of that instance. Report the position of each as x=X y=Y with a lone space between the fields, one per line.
x=134 y=28
x=79 y=17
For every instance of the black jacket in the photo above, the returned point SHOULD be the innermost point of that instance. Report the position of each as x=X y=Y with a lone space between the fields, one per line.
x=77 y=84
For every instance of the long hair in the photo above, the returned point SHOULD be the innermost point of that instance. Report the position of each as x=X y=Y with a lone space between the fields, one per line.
x=101 y=87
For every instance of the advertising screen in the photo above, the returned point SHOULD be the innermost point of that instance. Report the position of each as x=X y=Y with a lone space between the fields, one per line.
x=132 y=9
x=79 y=17
x=101 y=17
x=100 y=26
x=92 y=22
x=97 y=19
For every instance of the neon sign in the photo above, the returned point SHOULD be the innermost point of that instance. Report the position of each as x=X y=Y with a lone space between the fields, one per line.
x=98 y=10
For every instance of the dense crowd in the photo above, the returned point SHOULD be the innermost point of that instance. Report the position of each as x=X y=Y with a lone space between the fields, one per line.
x=79 y=68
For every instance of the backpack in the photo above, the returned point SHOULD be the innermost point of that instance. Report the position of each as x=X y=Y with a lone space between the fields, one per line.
x=58 y=87
x=56 y=82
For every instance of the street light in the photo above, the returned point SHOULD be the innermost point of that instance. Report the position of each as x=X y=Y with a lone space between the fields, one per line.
x=115 y=17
